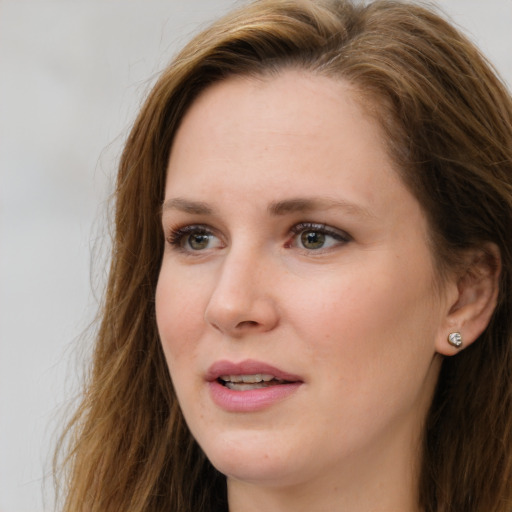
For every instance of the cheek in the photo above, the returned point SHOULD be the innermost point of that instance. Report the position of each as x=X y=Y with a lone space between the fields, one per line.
x=365 y=322
x=370 y=349
x=178 y=316
x=346 y=305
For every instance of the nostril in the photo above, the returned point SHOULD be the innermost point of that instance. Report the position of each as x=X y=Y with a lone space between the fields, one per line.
x=247 y=323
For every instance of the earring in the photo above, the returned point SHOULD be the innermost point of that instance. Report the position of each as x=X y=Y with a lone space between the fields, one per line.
x=455 y=339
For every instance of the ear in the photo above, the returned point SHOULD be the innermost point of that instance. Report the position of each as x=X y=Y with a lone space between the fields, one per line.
x=474 y=299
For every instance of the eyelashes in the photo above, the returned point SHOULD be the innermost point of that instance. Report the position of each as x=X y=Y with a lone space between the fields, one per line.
x=313 y=236
x=195 y=237
x=308 y=237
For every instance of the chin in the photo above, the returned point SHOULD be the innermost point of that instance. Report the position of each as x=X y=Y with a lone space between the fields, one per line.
x=241 y=457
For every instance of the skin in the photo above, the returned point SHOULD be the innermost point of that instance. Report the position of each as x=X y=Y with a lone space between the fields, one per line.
x=358 y=319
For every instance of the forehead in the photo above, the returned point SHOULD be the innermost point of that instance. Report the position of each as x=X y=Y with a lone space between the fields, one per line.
x=266 y=121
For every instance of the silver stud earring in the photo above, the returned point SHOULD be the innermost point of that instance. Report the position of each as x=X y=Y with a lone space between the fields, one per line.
x=455 y=339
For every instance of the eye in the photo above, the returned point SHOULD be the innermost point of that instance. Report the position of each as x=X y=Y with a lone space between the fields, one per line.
x=312 y=239
x=198 y=241
x=193 y=238
x=313 y=236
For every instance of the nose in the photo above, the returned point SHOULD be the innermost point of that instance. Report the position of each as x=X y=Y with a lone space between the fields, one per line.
x=242 y=301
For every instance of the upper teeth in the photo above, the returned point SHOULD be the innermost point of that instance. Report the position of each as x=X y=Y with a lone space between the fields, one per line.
x=250 y=379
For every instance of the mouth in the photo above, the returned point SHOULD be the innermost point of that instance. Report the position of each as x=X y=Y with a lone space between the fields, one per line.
x=249 y=386
x=250 y=382
x=249 y=374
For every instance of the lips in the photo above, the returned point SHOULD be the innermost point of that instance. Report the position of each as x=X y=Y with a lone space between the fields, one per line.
x=249 y=385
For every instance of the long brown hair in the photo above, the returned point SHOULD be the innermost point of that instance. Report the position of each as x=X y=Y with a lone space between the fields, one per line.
x=448 y=121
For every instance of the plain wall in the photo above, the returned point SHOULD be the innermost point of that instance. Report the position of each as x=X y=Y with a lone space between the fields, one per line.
x=72 y=74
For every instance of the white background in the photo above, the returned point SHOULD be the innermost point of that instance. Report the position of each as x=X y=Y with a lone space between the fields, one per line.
x=72 y=74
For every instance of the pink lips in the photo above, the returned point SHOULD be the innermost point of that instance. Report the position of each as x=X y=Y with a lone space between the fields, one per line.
x=249 y=400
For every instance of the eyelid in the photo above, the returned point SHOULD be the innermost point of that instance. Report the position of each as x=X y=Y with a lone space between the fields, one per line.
x=318 y=226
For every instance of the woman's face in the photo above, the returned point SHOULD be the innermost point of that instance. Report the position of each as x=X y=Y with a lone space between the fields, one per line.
x=296 y=301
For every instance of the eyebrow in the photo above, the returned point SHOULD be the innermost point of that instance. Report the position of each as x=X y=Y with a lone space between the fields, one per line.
x=187 y=206
x=306 y=204
x=276 y=208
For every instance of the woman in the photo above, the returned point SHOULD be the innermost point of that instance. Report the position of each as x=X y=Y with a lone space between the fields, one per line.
x=309 y=304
